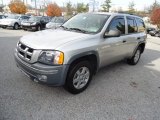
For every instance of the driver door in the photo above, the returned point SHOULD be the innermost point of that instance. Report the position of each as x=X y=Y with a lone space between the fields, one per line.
x=113 y=49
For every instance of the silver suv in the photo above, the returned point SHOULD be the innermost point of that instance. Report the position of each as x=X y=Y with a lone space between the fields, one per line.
x=73 y=53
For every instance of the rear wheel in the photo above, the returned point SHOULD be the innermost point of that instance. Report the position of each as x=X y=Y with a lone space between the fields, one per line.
x=135 y=59
x=79 y=77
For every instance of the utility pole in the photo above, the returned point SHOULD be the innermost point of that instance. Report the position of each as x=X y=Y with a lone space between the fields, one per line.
x=44 y=7
x=93 y=5
x=2 y=2
x=36 y=7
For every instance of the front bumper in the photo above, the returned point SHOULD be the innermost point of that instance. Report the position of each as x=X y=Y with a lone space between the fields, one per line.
x=51 y=75
x=6 y=25
x=32 y=27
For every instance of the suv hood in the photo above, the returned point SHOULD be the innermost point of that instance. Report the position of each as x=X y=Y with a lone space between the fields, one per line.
x=51 y=39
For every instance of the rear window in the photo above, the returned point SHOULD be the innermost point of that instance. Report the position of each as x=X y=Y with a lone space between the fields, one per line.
x=140 y=24
x=132 y=27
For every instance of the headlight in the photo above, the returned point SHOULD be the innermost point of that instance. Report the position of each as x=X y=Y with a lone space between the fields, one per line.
x=51 y=57
x=34 y=23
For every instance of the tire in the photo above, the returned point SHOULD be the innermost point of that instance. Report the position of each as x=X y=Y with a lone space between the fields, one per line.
x=4 y=27
x=135 y=59
x=16 y=26
x=79 y=77
x=38 y=28
x=25 y=29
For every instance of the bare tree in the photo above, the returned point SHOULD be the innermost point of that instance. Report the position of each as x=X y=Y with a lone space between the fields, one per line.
x=106 y=6
x=131 y=7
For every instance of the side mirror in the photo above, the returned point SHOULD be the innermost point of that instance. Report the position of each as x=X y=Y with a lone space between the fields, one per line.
x=112 y=33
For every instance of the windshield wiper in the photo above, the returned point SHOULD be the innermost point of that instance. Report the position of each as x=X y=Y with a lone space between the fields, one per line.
x=77 y=29
x=64 y=27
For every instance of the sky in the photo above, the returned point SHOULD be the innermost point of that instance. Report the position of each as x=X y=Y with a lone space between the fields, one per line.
x=139 y=4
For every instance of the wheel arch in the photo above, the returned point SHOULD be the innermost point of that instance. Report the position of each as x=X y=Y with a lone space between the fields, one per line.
x=16 y=23
x=91 y=56
x=142 y=45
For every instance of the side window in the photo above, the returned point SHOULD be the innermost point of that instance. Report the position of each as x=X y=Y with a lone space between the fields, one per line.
x=118 y=24
x=22 y=17
x=132 y=27
x=141 y=25
x=42 y=19
x=59 y=20
x=26 y=17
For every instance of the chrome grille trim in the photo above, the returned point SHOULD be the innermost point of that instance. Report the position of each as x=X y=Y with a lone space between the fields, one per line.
x=25 y=52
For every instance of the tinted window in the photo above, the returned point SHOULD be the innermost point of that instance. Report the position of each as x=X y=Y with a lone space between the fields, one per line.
x=26 y=17
x=132 y=27
x=33 y=18
x=140 y=24
x=118 y=24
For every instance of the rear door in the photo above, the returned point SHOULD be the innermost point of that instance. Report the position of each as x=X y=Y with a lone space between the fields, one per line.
x=135 y=33
x=141 y=29
x=132 y=35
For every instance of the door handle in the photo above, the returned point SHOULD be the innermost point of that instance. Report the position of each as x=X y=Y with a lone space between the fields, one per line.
x=124 y=41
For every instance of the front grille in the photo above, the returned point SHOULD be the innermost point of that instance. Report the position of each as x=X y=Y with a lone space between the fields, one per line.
x=24 y=51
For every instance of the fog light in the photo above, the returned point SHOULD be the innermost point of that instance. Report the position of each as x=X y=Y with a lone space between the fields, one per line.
x=42 y=78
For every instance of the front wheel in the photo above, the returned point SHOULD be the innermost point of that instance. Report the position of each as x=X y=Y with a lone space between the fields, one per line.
x=79 y=77
x=24 y=29
x=38 y=28
x=4 y=27
x=16 y=26
x=135 y=59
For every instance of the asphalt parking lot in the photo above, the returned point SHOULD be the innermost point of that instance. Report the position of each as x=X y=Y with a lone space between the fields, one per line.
x=117 y=92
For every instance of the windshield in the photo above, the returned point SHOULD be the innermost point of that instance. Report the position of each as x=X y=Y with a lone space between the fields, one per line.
x=91 y=23
x=34 y=18
x=57 y=20
x=13 y=16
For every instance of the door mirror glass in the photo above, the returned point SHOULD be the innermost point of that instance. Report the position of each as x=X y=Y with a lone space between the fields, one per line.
x=112 y=33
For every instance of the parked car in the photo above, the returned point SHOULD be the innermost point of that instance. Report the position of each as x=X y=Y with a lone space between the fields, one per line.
x=13 y=21
x=157 y=34
x=73 y=53
x=154 y=32
x=2 y=16
x=55 y=22
x=150 y=29
x=35 y=23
